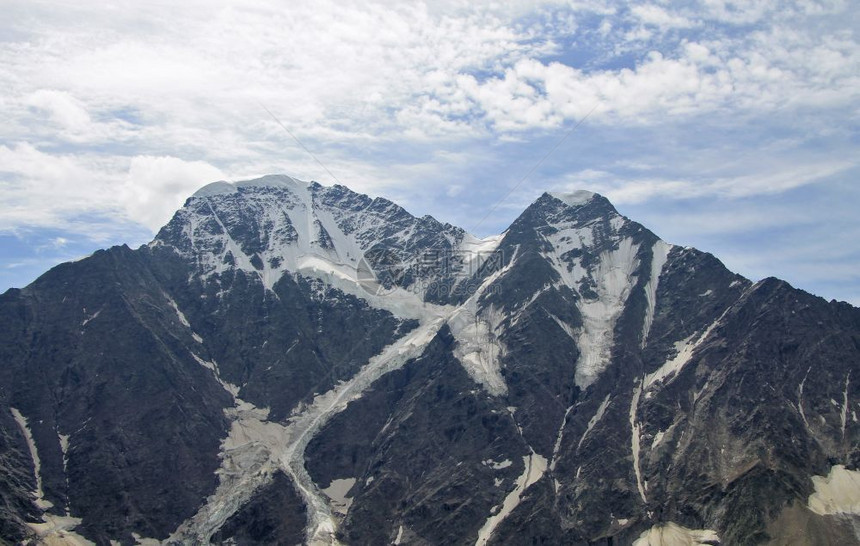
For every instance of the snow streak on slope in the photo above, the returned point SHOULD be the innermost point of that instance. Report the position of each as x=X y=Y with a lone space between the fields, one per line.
x=800 y=400
x=305 y=422
x=685 y=349
x=614 y=280
x=41 y=502
x=556 y=448
x=594 y=420
x=478 y=347
x=659 y=255
x=671 y=534
x=535 y=466
x=594 y=260
x=256 y=448
x=247 y=463
x=844 y=414
x=54 y=530
x=634 y=440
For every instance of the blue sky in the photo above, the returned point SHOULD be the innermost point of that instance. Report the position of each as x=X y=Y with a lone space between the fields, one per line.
x=728 y=126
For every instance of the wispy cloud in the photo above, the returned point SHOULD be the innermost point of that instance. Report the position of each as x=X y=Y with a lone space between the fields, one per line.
x=117 y=114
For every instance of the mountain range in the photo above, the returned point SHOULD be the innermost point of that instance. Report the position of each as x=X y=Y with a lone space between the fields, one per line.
x=291 y=363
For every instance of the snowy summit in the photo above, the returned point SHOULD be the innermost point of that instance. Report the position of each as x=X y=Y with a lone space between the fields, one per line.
x=576 y=198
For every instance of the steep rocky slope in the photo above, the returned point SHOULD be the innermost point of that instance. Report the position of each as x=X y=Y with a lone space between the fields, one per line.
x=291 y=362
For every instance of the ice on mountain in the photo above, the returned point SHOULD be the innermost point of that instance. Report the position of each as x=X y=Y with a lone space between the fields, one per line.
x=215 y=188
x=672 y=534
x=337 y=492
x=614 y=281
x=574 y=199
x=836 y=493
x=659 y=256
x=534 y=468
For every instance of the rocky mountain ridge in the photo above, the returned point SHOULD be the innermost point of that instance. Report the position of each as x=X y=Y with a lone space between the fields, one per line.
x=288 y=362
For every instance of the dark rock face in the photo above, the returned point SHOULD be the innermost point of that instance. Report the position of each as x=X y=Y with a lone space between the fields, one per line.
x=16 y=480
x=275 y=515
x=423 y=445
x=98 y=360
x=584 y=384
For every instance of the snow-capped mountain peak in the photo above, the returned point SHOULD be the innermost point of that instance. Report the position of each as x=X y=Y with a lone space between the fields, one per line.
x=277 y=224
x=269 y=181
x=234 y=382
x=574 y=199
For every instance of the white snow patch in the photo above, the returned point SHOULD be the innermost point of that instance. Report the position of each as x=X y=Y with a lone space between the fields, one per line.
x=182 y=318
x=685 y=349
x=91 y=317
x=256 y=448
x=399 y=537
x=660 y=254
x=179 y=313
x=64 y=447
x=305 y=422
x=229 y=387
x=215 y=188
x=800 y=399
x=535 y=466
x=836 y=493
x=657 y=439
x=844 y=415
x=706 y=293
x=337 y=492
x=54 y=530
x=564 y=326
x=476 y=251
x=34 y=455
x=574 y=199
x=248 y=461
x=558 y=438
x=671 y=534
x=594 y=420
x=614 y=278
x=478 y=348
x=498 y=465
x=634 y=440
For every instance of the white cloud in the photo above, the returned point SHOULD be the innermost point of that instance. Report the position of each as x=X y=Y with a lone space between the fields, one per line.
x=41 y=189
x=761 y=181
x=156 y=186
x=121 y=112
x=650 y=14
x=58 y=191
x=61 y=108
